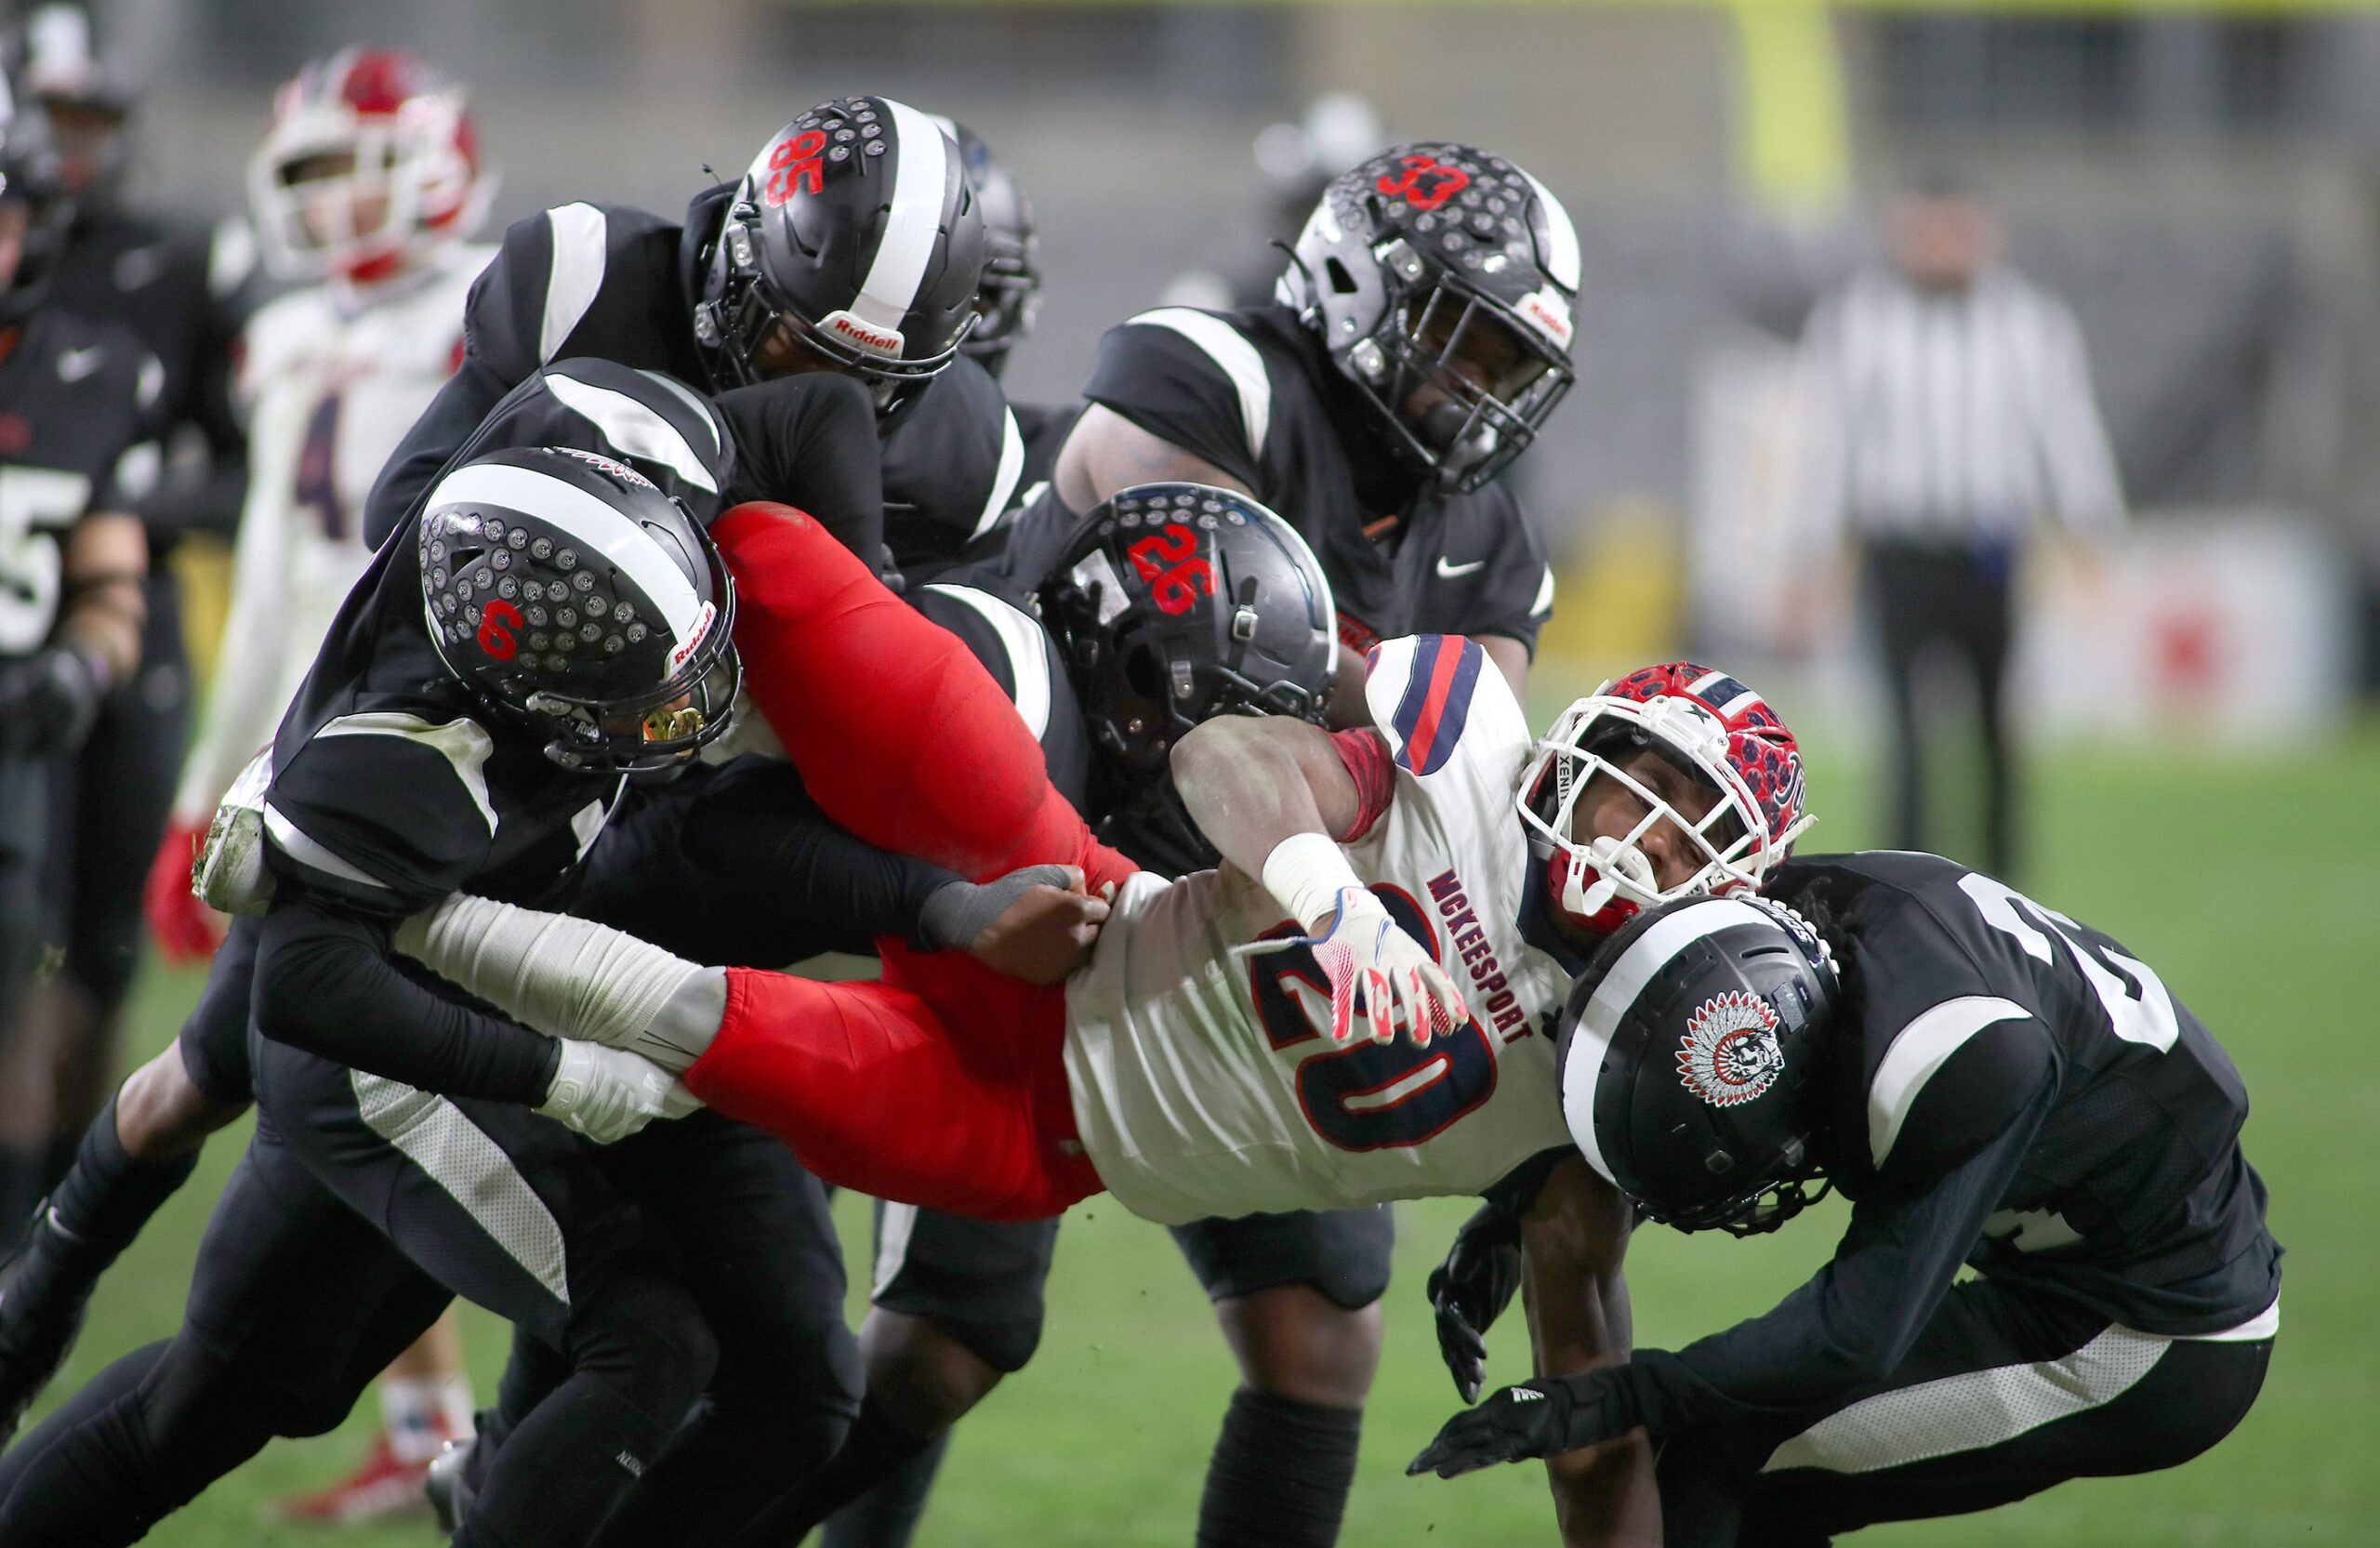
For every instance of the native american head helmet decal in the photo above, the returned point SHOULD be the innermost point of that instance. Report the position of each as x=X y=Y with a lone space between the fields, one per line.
x=1730 y=1053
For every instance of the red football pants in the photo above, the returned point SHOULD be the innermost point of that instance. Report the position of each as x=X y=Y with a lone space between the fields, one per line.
x=954 y=1098
x=943 y=1085
x=899 y=733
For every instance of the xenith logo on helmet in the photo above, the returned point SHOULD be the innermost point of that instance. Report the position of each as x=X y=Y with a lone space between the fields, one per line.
x=1729 y=1054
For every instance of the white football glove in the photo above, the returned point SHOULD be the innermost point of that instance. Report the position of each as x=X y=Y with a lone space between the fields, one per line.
x=1365 y=952
x=609 y=1094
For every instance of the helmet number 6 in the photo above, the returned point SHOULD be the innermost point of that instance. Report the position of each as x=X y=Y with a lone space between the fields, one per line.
x=497 y=624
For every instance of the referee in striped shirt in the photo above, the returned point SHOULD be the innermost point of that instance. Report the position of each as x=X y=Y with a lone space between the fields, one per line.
x=1949 y=410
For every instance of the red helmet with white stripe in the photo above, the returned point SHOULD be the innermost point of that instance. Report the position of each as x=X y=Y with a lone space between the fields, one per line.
x=1708 y=725
x=371 y=163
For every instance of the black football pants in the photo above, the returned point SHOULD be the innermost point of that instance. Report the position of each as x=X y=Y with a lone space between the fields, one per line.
x=1957 y=598
x=2007 y=1393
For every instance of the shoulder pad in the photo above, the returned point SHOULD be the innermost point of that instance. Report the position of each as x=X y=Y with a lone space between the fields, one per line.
x=1428 y=692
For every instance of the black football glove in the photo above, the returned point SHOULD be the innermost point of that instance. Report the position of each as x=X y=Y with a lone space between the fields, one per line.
x=48 y=701
x=1471 y=1290
x=1537 y=1419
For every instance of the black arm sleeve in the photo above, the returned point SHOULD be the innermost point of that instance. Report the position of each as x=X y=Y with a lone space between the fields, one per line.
x=808 y=441
x=325 y=984
x=763 y=837
x=1856 y=1319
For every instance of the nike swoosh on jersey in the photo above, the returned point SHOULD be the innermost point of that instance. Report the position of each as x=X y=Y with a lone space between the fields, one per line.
x=74 y=364
x=1450 y=571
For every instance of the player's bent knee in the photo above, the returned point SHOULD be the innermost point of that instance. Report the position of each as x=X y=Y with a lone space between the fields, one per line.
x=644 y=1331
x=1294 y=1342
x=925 y=1375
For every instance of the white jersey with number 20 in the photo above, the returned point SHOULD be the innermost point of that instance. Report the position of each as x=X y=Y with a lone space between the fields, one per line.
x=1205 y=1080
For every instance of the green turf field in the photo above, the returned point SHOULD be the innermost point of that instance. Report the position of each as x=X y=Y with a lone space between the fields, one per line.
x=2253 y=889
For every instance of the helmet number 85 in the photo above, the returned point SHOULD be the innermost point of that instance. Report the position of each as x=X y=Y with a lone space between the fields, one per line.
x=1370 y=1096
x=793 y=164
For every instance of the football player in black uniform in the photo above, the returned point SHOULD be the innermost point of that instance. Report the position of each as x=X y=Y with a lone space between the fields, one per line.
x=183 y=292
x=1422 y=338
x=77 y=399
x=809 y=439
x=1993 y=1085
x=483 y=751
x=1107 y=677
x=852 y=244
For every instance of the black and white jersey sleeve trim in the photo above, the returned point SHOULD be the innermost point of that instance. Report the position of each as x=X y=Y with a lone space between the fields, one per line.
x=576 y=274
x=294 y=841
x=1003 y=482
x=1233 y=356
x=1027 y=650
x=463 y=743
x=1916 y=1052
x=635 y=429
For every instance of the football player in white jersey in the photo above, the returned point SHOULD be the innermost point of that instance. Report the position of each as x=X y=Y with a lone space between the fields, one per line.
x=1202 y=1061
x=364 y=192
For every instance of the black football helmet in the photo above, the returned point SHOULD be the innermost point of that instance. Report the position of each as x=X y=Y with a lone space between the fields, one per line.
x=575 y=598
x=30 y=179
x=1173 y=604
x=1010 y=292
x=1441 y=280
x=853 y=244
x=1692 y=1063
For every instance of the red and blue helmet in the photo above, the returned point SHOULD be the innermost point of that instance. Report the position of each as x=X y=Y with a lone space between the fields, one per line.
x=1709 y=726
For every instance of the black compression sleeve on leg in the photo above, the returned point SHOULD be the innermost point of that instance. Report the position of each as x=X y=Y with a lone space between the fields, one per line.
x=109 y=1194
x=1280 y=1474
x=876 y=1448
x=887 y=1516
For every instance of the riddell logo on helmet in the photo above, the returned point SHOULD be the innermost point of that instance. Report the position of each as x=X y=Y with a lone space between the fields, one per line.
x=1553 y=319
x=876 y=340
x=1730 y=1054
x=694 y=636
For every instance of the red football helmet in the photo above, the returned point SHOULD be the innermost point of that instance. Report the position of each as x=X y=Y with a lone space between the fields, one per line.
x=1707 y=724
x=371 y=162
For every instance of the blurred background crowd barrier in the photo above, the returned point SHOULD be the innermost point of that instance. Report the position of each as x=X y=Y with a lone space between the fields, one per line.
x=2200 y=183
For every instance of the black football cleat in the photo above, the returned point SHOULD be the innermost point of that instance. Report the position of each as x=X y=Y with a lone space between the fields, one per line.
x=40 y=1315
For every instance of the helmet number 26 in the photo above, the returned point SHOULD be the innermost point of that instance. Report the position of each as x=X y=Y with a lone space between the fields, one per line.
x=1169 y=563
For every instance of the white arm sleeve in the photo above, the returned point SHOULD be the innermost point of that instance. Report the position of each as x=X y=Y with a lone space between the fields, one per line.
x=567 y=977
x=243 y=707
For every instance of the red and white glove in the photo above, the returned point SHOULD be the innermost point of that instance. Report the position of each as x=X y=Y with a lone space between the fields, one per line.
x=1364 y=952
x=1359 y=949
x=186 y=930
